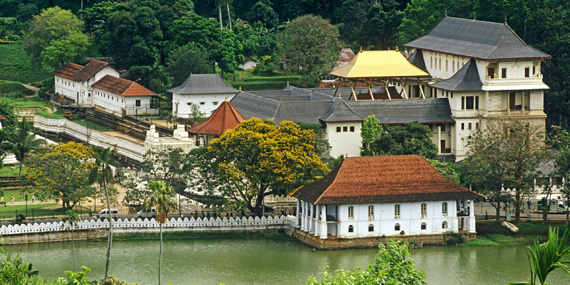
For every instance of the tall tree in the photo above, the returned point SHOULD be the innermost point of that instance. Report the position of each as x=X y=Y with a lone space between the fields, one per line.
x=162 y=199
x=59 y=173
x=352 y=16
x=102 y=173
x=370 y=133
x=23 y=141
x=380 y=31
x=53 y=28
x=264 y=14
x=188 y=59
x=311 y=46
x=561 y=142
x=254 y=160
x=411 y=138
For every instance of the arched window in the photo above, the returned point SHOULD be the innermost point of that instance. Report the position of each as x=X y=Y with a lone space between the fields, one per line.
x=371 y=212
x=371 y=228
x=424 y=210
x=453 y=66
x=440 y=64
x=458 y=65
x=444 y=208
x=351 y=212
x=431 y=62
x=350 y=229
x=424 y=226
x=397 y=211
x=397 y=227
x=444 y=225
x=446 y=65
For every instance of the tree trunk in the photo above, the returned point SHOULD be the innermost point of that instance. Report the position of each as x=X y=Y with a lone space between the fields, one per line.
x=110 y=238
x=498 y=212
x=21 y=162
x=73 y=245
x=160 y=255
x=229 y=16
x=518 y=205
x=220 y=11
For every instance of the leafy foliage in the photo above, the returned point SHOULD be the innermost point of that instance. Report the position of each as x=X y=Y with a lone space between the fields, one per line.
x=391 y=266
x=256 y=159
x=370 y=133
x=188 y=59
x=381 y=26
x=264 y=14
x=411 y=138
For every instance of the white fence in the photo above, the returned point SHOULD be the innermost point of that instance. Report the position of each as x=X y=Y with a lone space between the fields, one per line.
x=124 y=146
x=226 y=224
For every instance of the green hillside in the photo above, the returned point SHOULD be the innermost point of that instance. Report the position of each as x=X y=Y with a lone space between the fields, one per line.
x=15 y=66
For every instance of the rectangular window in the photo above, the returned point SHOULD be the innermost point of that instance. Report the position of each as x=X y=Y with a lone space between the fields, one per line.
x=470 y=126
x=533 y=70
x=440 y=64
x=352 y=129
x=444 y=209
x=462 y=126
x=527 y=72
x=443 y=128
x=453 y=66
x=215 y=103
x=491 y=72
x=469 y=103
x=446 y=65
x=452 y=94
x=424 y=210
x=370 y=212
x=476 y=126
x=189 y=103
x=338 y=129
x=504 y=72
x=351 y=212
x=462 y=102
x=397 y=211
x=430 y=62
x=476 y=102
x=202 y=103
x=345 y=129
x=138 y=103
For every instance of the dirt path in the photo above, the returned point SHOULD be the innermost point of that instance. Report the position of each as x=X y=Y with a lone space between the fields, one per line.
x=35 y=89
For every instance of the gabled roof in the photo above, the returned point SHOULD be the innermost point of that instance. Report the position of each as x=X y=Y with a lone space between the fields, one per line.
x=250 y=105
x=476 y=39
x=121 y=86
x=89 y=70
x=382 y=179
x=465 y=80
x=224 y=118
x=417 y=59
x=68 y=70
x=399 y=112
x=379 y=64
x=203 y=84
x=301 y=111
x=340 y=111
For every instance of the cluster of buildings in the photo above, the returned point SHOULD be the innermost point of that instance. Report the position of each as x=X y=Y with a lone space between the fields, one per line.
x=455 y=77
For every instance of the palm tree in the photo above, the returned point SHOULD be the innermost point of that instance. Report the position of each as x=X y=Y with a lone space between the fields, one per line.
x=73 y=219
x=23 y=141
x=102 y=173
x=162 y=199
x=547 y=256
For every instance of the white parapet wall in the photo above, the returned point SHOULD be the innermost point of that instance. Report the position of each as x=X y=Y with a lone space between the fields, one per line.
x=125 y=147
x=179 y=139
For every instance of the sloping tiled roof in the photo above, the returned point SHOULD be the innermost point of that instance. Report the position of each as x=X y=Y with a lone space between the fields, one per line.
x=225 y=117
x=89 y=70
x=466 y=79
x=379 y=64
x=476 y=39
x=121 y=86
x=203 y=84
x=382 y=179
x=340 y=111
x=417 y=59
x=250 y=105
x=397 y=112
x=68 y=70
x=301 y=111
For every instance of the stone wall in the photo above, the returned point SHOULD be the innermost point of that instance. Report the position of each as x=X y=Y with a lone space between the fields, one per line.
x=373 y=242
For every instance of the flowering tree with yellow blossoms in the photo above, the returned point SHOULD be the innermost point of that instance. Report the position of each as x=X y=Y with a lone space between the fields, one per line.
x=62 y=172
x=254 y=160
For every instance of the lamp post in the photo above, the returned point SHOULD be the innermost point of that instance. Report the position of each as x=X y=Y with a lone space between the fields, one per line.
x=26 y=196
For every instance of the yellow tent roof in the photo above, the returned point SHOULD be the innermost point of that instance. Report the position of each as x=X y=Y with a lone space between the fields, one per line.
x=379 y=64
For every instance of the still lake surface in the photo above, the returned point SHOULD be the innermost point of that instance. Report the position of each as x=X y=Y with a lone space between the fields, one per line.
x=258 y=261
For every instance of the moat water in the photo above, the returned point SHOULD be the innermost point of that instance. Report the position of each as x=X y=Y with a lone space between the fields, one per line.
x=257 y=261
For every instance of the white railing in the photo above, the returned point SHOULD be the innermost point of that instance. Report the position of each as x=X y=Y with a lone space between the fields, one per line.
x=173 y=223
x=124 y=146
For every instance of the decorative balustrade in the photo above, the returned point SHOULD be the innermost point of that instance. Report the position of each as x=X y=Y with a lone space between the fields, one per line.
x=173 y=223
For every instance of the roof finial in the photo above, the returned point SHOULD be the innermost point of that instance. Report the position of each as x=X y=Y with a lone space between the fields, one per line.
x=446 y=12
x=240 y=88
x=474 y=16
x=388 y=48
x=287 y=82
x=360 y=49
x=226 y=97
x=339 y=95
x=505 y=19
x=397 y=49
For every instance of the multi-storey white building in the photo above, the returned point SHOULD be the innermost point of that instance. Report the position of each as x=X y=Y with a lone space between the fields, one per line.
x=485 y=71
x=384 y=196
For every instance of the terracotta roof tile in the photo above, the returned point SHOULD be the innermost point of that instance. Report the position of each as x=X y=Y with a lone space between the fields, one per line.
x=89 y=70
x=383 y=179
x=225 y=117
x=121 y=86
x=68 y=70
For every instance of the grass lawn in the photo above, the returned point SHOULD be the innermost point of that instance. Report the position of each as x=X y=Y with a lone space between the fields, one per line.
x=15 y=65
x=93 y=126
x=17 y=196
x=251 y=82
x=35 y=210
x=32 y=102
x=9 y=171
x=11 y=86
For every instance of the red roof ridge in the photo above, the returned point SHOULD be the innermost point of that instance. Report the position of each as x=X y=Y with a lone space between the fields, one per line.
x=131 y=85
x=334 y=180
x=218 y=122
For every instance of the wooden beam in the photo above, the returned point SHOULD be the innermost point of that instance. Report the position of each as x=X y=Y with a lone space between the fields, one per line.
x=404 y=89
x=336 y=89
x=352 y=92
x=370 y=91
x=421 y=90
x=387 y=91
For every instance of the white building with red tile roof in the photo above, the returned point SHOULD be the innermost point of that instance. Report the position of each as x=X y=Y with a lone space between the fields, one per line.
x=122 y=97
x=384 y=196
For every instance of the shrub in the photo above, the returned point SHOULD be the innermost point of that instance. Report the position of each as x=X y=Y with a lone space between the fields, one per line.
x=455 y=239
x=16 y=95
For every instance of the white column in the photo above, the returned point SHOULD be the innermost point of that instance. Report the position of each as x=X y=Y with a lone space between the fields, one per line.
x=438 y=144
x=471 y=217
x=311 y=219
x=305 y=213
x=297 y=216
x=318 y=215
x=324 y=222
x=302 y=215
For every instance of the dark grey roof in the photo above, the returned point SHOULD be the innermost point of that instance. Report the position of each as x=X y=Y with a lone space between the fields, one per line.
x=417 y=59
x=477 y=39
x=203 y=84
x=466 y=79
x=250 y=105
x=394 y=112
x=266 y=93
x=306 y=112
x=289 y=98
x=340 y=111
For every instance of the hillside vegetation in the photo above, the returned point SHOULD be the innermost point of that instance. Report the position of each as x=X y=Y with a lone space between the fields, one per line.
x=15 y=66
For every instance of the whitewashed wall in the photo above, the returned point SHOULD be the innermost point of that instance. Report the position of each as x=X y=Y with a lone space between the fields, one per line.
x=344 y=143
x=180 y=107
